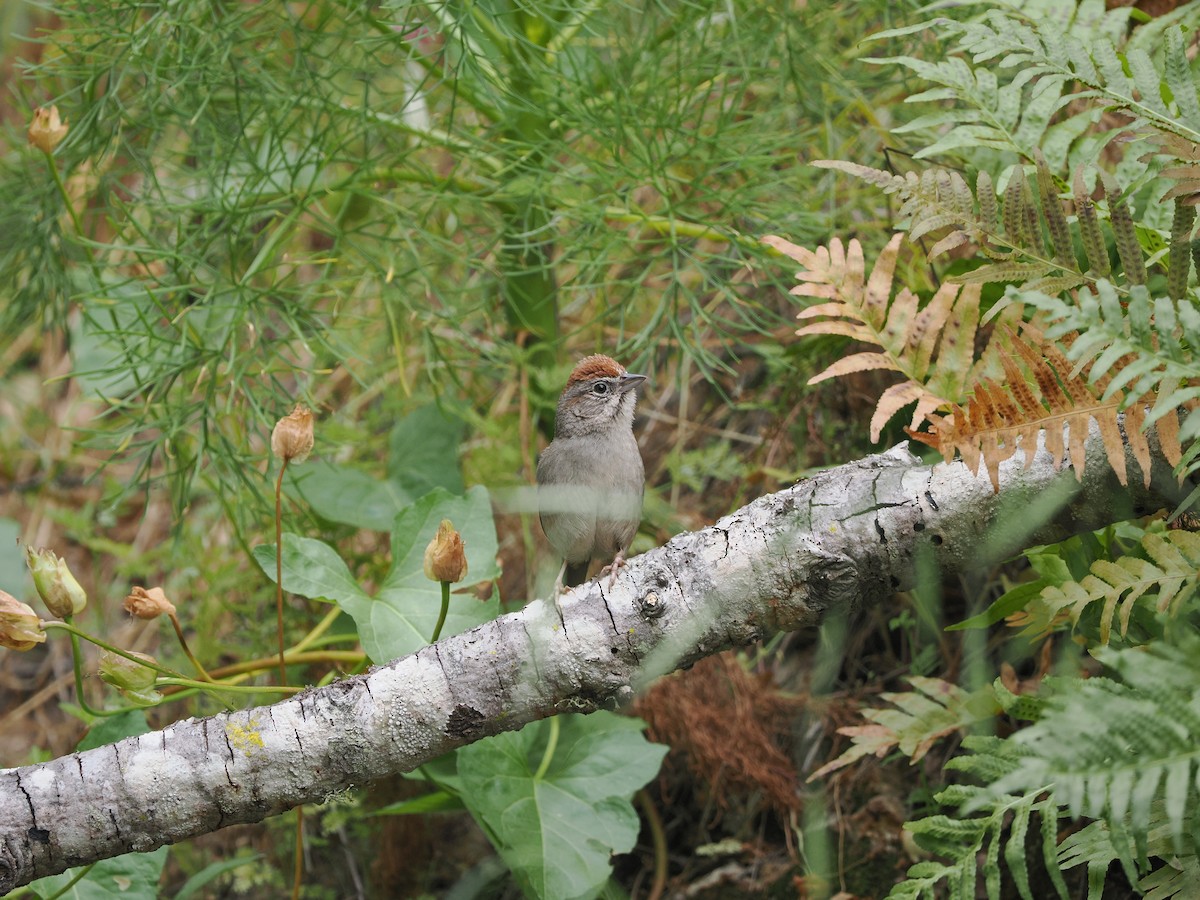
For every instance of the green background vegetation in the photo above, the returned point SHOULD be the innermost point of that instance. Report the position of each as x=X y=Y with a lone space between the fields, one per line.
x=415 y=218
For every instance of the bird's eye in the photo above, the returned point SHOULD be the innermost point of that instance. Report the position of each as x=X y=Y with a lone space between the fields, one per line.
x=600 y=388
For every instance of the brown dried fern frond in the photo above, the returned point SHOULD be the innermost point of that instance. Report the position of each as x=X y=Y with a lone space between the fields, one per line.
x=905 y=334
x=1040 y=392
x=983 y=409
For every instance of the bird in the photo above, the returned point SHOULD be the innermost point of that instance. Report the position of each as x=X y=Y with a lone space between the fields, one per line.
x=590 y=477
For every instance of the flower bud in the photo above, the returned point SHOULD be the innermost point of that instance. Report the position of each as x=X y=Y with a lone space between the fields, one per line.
x=148 y=604
x=20 y=628
x=445 y=558
x=46 y=130
x=55 y=584
x=292 y=437
x=132 y=679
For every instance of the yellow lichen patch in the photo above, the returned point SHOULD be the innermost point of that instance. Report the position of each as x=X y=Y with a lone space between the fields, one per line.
x=244 y=739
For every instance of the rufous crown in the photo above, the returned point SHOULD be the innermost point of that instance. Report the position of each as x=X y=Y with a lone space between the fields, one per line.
x=596 y=366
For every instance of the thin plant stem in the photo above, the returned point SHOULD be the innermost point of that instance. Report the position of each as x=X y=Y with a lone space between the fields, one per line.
x=279 y=570
x=437 y=629
x=249 y=667
x=62 y=190
x=186 y=649
x=298 y=868
x=67 y=626
x=231 y=688
x=659 y=838
x=77 y=665
x=66 y=888
x=318 y=630
x=551 y=746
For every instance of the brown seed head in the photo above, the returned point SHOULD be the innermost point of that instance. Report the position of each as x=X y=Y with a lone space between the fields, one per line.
x=445 y=557
x=20 y=628
x=46 y=130
x=148 y=604
x=292 y=437
x=596 y=366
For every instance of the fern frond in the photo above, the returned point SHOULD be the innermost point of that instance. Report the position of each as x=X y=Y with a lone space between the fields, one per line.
x=1038 y=393
x=1165 y=582
x=1179 y=261
x=984 y=821
x=1176 y=878
x=863 y=309
x=1119 y=217
x=1089 y=228
x=935 y=709
x=1144 y=748
x=1056 y=220
x=1039 y=59
x=938 y=203
x=1132 y=768
x=1140 y=349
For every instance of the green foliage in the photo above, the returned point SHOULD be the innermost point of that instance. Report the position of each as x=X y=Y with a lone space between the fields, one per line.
x=1140 y=344
x=554 y=797
x=422 y=455
x=264 y=193
x=1132 y=770
x=400 y=618
x=133 y=876
x=1162 y=578
x=1030 y=98
x=1023 y=241
x=1023 y=64
x=1143 y=748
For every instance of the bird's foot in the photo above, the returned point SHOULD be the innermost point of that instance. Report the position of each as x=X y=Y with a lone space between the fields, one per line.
x=560 y=589
x=612 y=569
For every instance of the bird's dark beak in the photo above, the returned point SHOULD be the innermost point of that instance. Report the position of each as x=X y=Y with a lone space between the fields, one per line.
x=629 y=381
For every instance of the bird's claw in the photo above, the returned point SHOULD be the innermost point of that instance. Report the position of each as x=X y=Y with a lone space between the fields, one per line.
x=612 y=569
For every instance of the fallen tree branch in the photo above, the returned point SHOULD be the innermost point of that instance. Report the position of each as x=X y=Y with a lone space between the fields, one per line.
x=848 y=537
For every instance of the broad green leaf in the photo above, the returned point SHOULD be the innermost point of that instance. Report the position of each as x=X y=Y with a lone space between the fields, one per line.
x=435 y=801
x=347 y=495
x=423 y=455
x=111 y=729
x=401 y=618
x=558 y=832
x=212 y=872
x=424 y=452
x=311 y=568
x=133 y=876
x=1004 y=606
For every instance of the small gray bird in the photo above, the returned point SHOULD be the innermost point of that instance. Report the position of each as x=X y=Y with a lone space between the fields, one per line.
x=590 y=478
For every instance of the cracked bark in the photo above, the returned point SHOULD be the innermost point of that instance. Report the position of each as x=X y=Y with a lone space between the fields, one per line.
x=843 y=539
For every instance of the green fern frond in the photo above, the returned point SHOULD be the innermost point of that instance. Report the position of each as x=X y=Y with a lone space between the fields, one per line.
x=1174 y=878
x=1121 y=220
x=1179 y=79
x=1089 y=229
x=985 y=822
x=1168 y=579
x=919 y=719
x=1133 y=769
x=1037 y=59
x=1144 y=748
